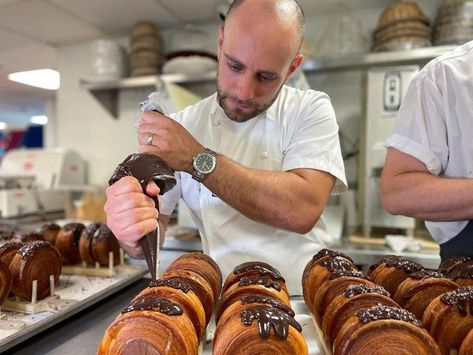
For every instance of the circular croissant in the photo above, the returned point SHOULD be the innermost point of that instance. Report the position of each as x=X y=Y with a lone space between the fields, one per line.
x=391 y=270
x=322 y=265
x=5 y=282
x=449 y=318
x=150 y=326
x=49 y=232
x=27 y=236
x=102 y=243
x=8 y=251
x=460 y=270
x=258 y=285
x=67 y=242
x=178 y=291
x=467 y=344
x=420 y=288
x=199 y=285
x=35 y=261
x=258 y=329
x=347 y=304
x=334 y=285
x=85 y=243
x=205 y=266
x=384 y=330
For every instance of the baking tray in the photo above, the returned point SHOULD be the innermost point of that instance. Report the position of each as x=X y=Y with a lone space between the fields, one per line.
x=312 y=334
x=83 y=291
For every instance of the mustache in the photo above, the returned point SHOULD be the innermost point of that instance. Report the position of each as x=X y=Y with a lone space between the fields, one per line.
x=237 y=100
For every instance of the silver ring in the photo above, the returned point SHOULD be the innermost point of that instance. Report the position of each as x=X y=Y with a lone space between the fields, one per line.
x=150 y=139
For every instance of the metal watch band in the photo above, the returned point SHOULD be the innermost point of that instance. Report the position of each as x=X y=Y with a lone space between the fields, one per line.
x=197 y=175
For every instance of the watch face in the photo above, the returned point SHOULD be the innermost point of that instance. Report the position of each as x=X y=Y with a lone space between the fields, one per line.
x=205 y=163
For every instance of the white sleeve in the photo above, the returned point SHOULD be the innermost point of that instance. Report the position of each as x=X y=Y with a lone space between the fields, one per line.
x=420 y=129
x=315 y=143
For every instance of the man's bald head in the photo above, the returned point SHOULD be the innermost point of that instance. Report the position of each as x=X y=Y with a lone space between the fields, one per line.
x=286 y=10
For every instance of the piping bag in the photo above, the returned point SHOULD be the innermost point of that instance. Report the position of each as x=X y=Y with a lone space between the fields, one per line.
x=145 y=168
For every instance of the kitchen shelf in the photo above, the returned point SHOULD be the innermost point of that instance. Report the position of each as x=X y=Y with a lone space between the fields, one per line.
x=106 y=92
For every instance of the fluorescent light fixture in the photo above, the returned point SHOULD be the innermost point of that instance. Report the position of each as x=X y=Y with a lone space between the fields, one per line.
x=3 y=125
x=43 y=78
x=41 y=120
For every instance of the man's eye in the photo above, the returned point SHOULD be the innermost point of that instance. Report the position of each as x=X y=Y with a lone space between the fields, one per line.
x=266 y=78
x=234 y=67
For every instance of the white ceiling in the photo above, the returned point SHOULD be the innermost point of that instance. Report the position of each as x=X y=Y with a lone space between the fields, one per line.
x=31 y=30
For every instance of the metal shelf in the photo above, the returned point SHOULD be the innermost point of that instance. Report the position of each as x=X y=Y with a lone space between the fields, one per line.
x=106 y=92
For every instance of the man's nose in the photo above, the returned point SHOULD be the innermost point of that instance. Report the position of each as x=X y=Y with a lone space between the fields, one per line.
x=246 y=88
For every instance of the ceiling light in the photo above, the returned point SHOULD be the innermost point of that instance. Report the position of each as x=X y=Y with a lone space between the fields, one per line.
x=42 y=78
x=3 y=125
x=41 y=120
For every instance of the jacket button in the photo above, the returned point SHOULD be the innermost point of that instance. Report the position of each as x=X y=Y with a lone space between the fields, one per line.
x=264 y=155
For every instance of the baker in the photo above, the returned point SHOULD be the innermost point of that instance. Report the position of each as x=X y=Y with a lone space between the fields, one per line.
x=255 y=162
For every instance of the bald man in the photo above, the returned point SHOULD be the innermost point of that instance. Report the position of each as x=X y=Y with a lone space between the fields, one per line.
x=255 y=162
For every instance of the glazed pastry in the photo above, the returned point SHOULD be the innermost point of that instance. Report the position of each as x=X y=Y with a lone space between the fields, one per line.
x=420 y=288
x=35 y=261
x=347 y=304
x=467 y=344
x=448 y=265
x=150 y=325
x=258 y=329
x=5 y=282
x=334 y=285
x=391 y=270
x=8 y=251
x=85 y=243
x=27 y=236
x=67 y=242
x=460 y=270
x=384 y=330
x=319 y=268
x=205 y=266
x=199 y=285
x=449 y=318
x=259 y=285
x=49 y=232
x=178 y=291
x=252 y=268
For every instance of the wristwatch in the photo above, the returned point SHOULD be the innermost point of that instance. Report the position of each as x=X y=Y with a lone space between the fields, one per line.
x=203 y=164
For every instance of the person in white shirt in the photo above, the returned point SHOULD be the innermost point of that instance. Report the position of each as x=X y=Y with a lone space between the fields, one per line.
x=428 y=172
x=255 y=162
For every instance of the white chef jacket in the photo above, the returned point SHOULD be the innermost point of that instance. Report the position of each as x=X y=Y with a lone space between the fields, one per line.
x=298 y=131
x=435 y=123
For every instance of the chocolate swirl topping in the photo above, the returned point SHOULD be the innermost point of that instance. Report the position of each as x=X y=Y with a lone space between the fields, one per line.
x=175 y=282
x=28 y=249
x=157 y=304
x=337 y=263
x=268 y=317
x=76 y=229
x=103 y=232
x=267 y=300
x=462 y=298
x=258 y=280
x=27 y=236
x=397 y=262
x=426 y=274
x=90 y=230
x=354 y=290
x=261 y=267
x=327 y=252
x=381 y=312
x=9 y=245
x=448 y=265
x=462 y=271
x=347 y=273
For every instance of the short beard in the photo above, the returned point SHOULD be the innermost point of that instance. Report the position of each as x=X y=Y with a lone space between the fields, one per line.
x=238 y=115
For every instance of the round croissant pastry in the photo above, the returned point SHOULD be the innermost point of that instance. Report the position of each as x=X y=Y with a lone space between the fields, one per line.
x=448 y=265
x=252 y=268
x=85 y=243
x=205 y=266
x=35 y=261
x=199 y=285
x=27 y=236
x=420 y=288
x=150 y=325
x=259 y=285
x=334 y=285
x=467 y=344
x=460 y=270
x=95 y=243
x=8 y=251
x=347 y=304
x=449 y=318
x=391 y=270
x=5 y=282
x=49 y=232
x=67 y=242
x=319 y=268
x=258 y=329
x=178 y=291
x=384 y=330
x=7 y=236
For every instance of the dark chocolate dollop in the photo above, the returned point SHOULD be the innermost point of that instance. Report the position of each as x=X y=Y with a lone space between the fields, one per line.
x=9 y=246
x=28 y=236
x=76 y=229
x=273 y=302
x=426 y=274
x=89 y=231
x=178 y=283
x=462 y=271
x=354 y=290
x=462 y=298
x=381 y=312
x=28 y=249
x=152 y=303
x=268 y=317
x=348 y=273
x=448 y=265
x=337 y=263
x=103 y=232
x=258 y=280
x=327 y=252
x=397 y=262
x=262 y=268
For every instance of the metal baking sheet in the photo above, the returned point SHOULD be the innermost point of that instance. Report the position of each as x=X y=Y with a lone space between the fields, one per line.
x=86 y=290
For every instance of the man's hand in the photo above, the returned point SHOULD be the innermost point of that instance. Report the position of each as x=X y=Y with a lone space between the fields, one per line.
x=171 y=141
x=130 y=213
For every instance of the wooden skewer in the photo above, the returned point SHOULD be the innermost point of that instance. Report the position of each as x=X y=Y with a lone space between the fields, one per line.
x=84 y=264
x=122 y=257
x=97 y=265
x=110 y=260
x=34 y=293
x=51 y=285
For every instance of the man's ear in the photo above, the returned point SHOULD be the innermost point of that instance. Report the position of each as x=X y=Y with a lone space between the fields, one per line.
x=294 y=65
x=220 y=39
